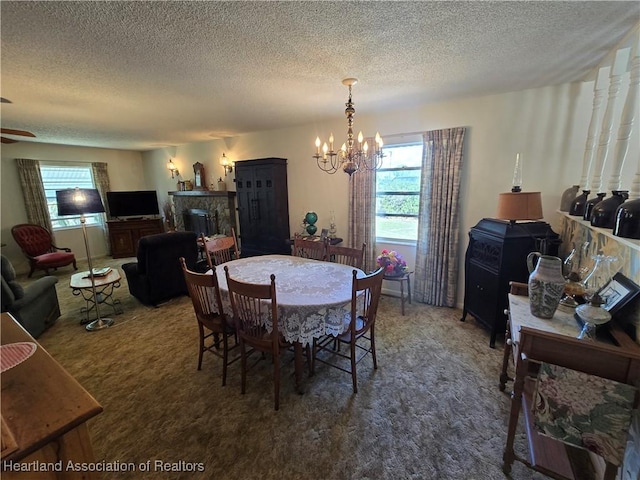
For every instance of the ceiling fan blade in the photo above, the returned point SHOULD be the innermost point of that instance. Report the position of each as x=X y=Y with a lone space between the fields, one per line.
x=10 y=131
x=5 y=100
x=7 y=140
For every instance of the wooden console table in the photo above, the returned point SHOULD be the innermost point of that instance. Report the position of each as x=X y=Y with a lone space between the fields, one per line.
x=531 y=340
x=44 y=413
x=124 y=235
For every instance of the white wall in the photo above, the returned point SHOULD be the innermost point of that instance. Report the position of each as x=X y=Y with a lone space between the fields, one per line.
x=125 y=173
x=547 y=126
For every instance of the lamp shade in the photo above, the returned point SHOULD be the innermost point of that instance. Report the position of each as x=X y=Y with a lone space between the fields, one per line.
x=519 y=206
x=78 y=201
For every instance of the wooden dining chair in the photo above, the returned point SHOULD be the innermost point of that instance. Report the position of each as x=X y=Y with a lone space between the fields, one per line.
x=220 y=250
x=213 y=324
x=360 y=335
x=353 y=257
x=316 y=250
x=254 y=307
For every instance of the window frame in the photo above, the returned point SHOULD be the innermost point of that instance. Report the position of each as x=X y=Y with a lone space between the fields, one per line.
x=418 y=193
x=72 y=221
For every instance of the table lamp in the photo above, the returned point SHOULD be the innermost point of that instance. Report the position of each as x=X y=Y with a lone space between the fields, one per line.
x=80 y=201
x=515 y=206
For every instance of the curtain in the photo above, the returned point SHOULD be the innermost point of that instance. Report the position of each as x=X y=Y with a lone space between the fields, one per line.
x=436 y=272
x=362 y=215
x=101 y=181
x=35 y=200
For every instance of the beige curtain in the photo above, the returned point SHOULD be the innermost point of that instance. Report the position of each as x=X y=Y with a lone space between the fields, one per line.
x=436 y=272
x=362 y=215
x=101 y=181
x=35 y=200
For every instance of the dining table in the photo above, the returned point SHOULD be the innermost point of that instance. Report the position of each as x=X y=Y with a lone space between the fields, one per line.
x=313 y=297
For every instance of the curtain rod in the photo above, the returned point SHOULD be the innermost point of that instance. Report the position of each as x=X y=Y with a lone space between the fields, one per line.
x=407 y=134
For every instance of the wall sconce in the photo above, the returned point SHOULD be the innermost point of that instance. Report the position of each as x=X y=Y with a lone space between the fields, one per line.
x=172 y=167
x=227 y=164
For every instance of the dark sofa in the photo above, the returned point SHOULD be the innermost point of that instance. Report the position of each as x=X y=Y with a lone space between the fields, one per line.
x=36 y=306
x=157 y=275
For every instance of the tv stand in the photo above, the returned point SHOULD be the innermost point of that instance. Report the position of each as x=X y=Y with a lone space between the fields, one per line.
x=124 y=236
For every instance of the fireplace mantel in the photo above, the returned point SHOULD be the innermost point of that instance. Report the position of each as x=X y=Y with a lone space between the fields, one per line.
x=202 y=193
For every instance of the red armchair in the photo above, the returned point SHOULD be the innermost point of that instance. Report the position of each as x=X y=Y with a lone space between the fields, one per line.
x=36 y=243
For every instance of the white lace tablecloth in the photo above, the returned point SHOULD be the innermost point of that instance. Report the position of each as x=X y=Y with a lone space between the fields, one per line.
x=314 y=298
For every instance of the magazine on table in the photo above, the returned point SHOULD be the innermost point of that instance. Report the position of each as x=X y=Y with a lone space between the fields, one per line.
x=99 y=272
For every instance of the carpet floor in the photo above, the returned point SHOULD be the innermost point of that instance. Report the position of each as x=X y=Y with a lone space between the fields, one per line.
x=432 y=409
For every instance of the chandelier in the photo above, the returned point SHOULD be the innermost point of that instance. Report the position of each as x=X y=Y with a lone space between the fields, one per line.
x=351 y=157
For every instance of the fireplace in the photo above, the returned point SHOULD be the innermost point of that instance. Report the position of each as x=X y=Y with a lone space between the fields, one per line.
x=205 y=211
x=200 y=221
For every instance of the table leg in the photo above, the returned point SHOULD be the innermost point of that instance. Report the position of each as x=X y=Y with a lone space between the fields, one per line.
x=297 y=349
x=409 y=287
x=402 y=296
x=504 y=378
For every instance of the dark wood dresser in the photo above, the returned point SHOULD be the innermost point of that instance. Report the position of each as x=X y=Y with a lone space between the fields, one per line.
x=497 y=254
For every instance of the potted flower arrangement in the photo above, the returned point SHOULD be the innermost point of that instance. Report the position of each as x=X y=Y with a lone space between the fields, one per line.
x=392 y=262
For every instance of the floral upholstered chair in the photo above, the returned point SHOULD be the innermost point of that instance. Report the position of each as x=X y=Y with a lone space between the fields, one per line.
x=585 y=411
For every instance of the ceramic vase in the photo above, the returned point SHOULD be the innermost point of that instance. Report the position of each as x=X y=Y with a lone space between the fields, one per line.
x=567 y=197
x=546 y=284
x=578 y=204
x=627 y=221
x=604 y=213
x=588 y=207
x=311 y=218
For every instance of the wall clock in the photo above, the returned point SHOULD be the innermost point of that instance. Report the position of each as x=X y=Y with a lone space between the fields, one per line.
x=199 y=182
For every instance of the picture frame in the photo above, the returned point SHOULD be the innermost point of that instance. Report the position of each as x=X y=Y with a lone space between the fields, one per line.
x=618 y=292
x=324 y=233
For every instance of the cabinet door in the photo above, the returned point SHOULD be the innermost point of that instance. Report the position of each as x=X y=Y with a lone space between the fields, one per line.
x=151 y=229
x=482 y=294
x=265 y=206
x=122 y=242
x=249 y=230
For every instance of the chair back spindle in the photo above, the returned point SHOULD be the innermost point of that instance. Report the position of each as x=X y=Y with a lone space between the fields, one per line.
x=220 y=250
x=309 y=248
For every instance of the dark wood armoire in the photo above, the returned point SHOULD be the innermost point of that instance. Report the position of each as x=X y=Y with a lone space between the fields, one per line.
x=263 y=206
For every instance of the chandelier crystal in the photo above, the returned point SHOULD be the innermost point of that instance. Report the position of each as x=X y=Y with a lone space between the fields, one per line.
x=353 y=156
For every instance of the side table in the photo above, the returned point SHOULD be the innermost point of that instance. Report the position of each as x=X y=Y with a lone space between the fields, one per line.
x=81 y=285
x=530 y=341
x=401 y=279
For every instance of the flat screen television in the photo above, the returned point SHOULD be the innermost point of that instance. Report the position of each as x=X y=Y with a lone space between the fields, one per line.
x=133 y=203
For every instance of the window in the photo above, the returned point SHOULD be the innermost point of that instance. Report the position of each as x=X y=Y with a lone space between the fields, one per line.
x=59 y=177
x=398 y=192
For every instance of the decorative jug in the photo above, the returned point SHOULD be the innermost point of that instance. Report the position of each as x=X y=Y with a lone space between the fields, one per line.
x=627 y=220
x=568 y=196
x=604 y=213
x=578 y=204
x=546 y=284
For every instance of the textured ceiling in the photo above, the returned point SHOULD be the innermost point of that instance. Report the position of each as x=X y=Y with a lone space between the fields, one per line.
x=141 y=75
